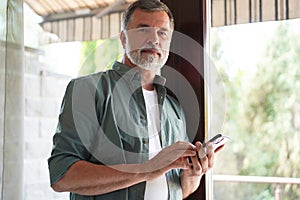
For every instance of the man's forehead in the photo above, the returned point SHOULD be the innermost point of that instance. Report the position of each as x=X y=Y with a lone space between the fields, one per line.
x=158 y=19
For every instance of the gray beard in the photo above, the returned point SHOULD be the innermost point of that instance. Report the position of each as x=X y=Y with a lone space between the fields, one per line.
x=147 y=63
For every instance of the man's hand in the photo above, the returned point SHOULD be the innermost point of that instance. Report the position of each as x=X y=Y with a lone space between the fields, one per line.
x=171 y=157
x=199 y=165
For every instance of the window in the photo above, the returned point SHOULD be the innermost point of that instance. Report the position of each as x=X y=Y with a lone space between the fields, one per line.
x=260 y=71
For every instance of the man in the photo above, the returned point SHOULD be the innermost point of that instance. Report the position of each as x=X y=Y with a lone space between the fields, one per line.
x=121 y=135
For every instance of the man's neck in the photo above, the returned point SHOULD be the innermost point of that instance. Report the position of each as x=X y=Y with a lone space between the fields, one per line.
x=147 y=75
x=147 y=78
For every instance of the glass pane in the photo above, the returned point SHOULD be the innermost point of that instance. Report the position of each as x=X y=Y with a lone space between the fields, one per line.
x=259 y=66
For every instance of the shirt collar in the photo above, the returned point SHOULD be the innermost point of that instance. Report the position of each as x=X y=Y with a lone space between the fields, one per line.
x=133 y=74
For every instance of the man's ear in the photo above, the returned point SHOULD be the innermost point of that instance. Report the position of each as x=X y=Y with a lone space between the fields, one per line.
x=123 y=39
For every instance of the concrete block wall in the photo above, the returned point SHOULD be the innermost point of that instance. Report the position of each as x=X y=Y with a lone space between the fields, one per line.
x=43 y=95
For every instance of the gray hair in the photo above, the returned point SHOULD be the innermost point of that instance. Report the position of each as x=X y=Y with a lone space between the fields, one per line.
x=148 y=6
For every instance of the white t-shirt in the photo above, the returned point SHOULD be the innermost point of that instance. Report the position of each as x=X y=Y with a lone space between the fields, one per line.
x=157 y=188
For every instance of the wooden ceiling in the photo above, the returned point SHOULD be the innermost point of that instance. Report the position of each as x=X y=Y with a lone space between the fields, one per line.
x=46 y=8
x=91 y=19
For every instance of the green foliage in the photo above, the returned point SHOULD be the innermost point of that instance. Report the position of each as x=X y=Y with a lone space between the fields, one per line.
x=265 y=114
x=87 y=59
x=107 y=52
x=265 y=195
x=99 y=55
x=274 y=106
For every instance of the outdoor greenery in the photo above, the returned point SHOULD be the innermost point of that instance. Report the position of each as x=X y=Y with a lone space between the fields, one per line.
x=98 y=55
x=262 y=118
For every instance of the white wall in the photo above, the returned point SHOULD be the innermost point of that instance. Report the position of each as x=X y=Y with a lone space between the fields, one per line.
x=43 y=95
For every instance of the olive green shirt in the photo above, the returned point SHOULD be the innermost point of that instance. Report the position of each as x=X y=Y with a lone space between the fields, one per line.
x=103 y=120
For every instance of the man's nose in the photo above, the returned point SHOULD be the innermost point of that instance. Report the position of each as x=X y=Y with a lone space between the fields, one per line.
x=153 y=37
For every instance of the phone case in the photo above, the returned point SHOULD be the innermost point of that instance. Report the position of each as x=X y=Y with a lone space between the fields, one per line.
x=217 y=141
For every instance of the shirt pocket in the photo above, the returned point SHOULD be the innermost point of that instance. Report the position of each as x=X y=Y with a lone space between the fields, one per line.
x=174 y=130
x=135 y=148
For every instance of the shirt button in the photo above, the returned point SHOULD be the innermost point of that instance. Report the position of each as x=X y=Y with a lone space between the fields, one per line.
x=145 y=141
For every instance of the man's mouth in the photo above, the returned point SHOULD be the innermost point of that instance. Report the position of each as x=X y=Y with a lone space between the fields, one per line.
x=151 y=51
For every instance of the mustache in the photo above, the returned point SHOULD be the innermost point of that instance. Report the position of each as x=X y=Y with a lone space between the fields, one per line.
x=150 y=47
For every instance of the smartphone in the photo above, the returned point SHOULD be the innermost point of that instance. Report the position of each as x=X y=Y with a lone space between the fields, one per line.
x=217 y=141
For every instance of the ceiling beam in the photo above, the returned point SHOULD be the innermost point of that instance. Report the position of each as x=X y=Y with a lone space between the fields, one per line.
x=100 y=12
x=110 y=8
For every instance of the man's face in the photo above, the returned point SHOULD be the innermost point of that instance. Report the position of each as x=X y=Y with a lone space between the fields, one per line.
x=147 y=39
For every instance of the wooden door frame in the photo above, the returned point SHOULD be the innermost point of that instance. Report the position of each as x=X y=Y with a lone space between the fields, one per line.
x=190 y=20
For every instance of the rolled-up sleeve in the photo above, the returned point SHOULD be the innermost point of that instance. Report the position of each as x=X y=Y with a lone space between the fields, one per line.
x=67 y=145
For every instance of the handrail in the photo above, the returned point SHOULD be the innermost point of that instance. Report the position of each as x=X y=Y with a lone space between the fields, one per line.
x=256 y=179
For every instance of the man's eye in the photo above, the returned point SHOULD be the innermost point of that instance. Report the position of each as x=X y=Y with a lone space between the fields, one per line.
x=164 y=34
x=143 y=30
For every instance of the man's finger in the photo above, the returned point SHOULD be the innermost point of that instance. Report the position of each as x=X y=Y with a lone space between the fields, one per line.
x=197 y=169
